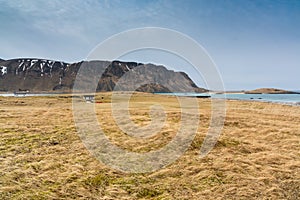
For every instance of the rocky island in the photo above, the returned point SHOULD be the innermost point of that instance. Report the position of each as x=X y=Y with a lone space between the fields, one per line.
x=270 y=91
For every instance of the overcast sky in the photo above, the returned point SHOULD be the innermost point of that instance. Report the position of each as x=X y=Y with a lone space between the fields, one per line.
x=253 y=43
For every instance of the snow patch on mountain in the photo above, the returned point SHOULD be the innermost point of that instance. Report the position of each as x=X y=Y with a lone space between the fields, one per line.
x=32 y=62
x=43 y=65
x=3 y=70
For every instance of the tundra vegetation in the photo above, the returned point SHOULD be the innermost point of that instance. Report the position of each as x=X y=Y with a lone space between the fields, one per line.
x=42 y=157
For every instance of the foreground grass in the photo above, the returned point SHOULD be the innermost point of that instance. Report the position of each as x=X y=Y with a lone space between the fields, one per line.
x=42 y=157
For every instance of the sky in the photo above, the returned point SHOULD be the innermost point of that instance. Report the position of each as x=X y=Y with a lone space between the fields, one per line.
x=253 y=43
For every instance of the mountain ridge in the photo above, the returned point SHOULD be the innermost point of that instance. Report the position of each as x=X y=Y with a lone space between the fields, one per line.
x=44 y=75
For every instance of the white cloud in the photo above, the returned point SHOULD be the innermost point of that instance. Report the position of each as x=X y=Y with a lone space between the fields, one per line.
x=82 y=24
x=87 y=19
x=61 y=18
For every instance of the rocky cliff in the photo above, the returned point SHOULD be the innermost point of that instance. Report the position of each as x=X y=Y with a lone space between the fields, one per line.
x=42 y=75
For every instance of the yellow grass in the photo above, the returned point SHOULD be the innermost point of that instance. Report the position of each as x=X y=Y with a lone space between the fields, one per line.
x=42 y=157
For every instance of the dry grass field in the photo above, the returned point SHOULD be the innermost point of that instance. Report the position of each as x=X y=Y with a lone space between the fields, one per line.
x=42 y=157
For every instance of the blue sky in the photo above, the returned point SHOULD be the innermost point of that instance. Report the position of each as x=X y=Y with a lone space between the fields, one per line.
x=254 y=43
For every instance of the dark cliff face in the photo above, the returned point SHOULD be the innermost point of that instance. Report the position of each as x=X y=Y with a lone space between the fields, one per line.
x=41 y=75
x=36 y=75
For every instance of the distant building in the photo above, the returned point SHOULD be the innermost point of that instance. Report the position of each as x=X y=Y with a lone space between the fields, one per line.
x=89 y=98
x=20 y=94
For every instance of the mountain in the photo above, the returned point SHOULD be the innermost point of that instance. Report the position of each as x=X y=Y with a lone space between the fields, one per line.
x=270 y=91
x=42 y=75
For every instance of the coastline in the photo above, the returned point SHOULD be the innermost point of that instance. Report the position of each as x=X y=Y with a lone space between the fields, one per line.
x=292 y=99
x=265 y=101
x=228 y=96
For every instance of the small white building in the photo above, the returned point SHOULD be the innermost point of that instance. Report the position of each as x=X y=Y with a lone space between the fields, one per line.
x=89 y=98
x=20 y=94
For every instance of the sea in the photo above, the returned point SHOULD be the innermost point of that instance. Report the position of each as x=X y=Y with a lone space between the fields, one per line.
x=292 y=99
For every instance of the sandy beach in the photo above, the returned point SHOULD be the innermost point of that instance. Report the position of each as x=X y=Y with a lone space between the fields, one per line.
x=42 y=157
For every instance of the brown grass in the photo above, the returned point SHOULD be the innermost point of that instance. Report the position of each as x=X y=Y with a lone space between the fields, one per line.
x=42 y=157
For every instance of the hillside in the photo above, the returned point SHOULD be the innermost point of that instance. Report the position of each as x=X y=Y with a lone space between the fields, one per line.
x=41 y=75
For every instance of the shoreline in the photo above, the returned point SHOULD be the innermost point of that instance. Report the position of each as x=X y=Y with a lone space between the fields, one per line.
x=296 y=104
x=45 y=94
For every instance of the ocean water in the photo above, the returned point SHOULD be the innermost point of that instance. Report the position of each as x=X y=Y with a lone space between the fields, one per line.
x=279 y=98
